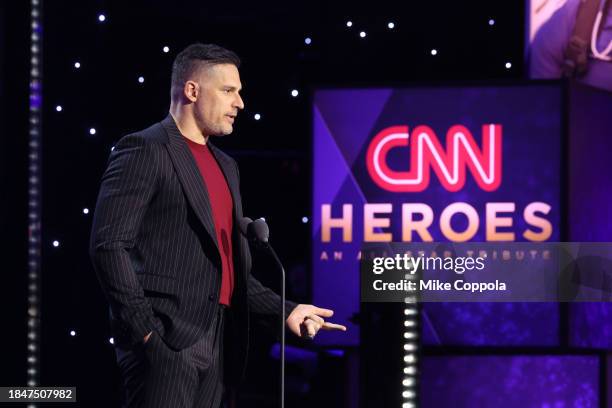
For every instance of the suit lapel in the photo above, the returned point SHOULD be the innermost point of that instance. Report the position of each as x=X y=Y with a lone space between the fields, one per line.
x=189 y=177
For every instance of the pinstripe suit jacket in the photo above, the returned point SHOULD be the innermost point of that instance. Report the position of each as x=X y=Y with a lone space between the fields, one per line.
x=154 y=248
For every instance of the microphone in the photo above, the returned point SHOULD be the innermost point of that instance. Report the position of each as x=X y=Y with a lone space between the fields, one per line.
x=258 y=233
x=243 y=224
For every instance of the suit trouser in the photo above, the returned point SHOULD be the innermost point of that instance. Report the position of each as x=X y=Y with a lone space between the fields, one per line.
x=156 y=376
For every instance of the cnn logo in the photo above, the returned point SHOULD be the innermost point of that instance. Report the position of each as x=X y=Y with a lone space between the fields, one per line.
x=426 y=154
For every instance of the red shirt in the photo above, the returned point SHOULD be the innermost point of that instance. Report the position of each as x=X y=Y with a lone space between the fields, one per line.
x=223 y=213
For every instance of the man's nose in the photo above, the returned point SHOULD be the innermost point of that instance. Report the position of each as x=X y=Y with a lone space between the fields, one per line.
x=238 y=102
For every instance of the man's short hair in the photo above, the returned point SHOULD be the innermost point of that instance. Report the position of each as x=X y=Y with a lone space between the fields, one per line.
x=195 y=57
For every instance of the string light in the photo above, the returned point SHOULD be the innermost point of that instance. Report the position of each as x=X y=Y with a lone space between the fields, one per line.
x=140 y=79
x=508 y=65
x=58 y=108
x=257 y=116
x=294 y=93
x=434 y=52
x=166 y=49
x=56 y=244
x=491 y=22
x=391 y=25
x=362 y=34
x=304 y=220
x=92 y=131
x=349 y=23
x=85 y=210
x=307 y=40
x=77 y=65
x=101 y=18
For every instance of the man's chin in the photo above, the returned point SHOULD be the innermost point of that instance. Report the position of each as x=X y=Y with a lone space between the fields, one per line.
x=224 y=132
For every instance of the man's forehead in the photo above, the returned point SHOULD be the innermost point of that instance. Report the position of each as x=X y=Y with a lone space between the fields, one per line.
x=226 y=74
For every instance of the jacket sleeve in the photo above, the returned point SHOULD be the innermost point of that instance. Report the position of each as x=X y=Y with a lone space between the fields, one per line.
x=128 y=185
x=264 y=301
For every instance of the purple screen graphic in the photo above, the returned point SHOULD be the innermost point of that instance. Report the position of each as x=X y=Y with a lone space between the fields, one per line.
x=510 y=381
x=344 y=123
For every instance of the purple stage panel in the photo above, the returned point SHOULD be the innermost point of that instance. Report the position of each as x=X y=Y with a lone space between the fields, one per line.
x=590 y=195
x=490 y=324
x=510 y=381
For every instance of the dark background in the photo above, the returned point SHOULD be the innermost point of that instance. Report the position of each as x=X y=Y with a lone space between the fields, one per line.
x=273 y=153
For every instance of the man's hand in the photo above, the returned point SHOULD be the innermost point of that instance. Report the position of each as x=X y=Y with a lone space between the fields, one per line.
x=307 y=320
x=146 y=338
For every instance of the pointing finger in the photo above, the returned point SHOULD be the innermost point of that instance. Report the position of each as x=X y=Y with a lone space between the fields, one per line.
x=333 y=326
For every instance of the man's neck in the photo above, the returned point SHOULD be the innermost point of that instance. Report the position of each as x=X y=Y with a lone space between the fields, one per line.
x=188 y=128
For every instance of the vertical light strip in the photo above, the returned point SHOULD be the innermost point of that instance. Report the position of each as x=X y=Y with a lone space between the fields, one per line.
x=34 y=195
x=411 y=348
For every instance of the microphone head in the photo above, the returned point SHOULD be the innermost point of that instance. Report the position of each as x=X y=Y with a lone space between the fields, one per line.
x=243 y=224
x=258 y=231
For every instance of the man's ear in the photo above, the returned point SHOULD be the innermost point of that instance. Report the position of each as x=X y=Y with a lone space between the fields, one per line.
x=191 y=90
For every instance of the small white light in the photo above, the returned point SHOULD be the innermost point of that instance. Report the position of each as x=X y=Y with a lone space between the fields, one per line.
x=257 y=116
x=408 y=312
x=111 y=340
x=407 y=405
x=166 y=49
x=294 y=93
x=391 y=25
x=307 y=40
x=407 y=382
x=409 y=358
x=101 y=18
x=409 y=370
x=408 y=394
x=349 y=23
x=141 y=79
x=491 y=22
x=434 y=52
x=77 y=65
x=72 y=333
x=56 y=243
x=508 y=65
x=92 y=131
x=58 y=108
x=112 y=148
x=85 y=210
x=409 y=323
x=304 y=220
x=362 y=34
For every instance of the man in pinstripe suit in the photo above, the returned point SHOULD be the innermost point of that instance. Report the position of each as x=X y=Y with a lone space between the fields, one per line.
x=168 y=252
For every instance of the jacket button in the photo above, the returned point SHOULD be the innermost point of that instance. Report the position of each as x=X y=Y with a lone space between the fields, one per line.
x=211 y=297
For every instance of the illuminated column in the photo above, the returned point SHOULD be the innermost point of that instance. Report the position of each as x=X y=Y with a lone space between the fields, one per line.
x=34 y=199
x=411 y=347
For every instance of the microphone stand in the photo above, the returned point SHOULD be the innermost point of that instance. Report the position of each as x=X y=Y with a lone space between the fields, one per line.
x=282 y=324
x=258 y=233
